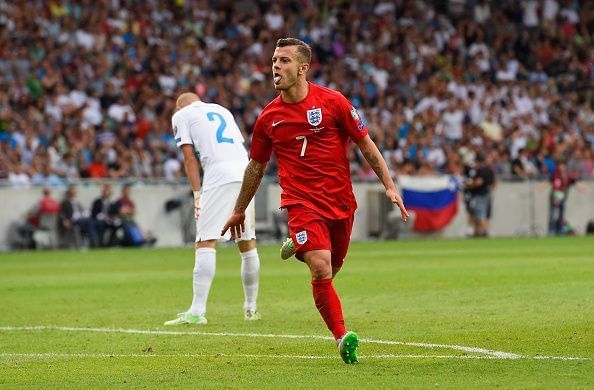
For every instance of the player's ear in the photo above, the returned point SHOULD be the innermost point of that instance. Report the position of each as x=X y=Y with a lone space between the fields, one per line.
x=303 y=68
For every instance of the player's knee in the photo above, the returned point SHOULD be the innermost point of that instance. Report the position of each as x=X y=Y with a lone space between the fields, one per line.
x=321 y=274
x=319 y=263
x=206 y=244
x=245 y=246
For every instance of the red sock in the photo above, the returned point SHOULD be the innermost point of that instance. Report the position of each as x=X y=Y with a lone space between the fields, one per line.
x=328 y=304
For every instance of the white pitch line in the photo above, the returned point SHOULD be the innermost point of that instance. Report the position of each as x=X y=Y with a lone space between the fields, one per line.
x=56 y=355
x=498 y=354
x=490 y=353
x=502 y=355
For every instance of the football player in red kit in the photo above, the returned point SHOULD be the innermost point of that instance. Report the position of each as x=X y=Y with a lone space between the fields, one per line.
x=309 y=128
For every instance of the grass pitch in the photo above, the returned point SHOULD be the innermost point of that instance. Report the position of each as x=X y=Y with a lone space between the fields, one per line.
x=480 y=313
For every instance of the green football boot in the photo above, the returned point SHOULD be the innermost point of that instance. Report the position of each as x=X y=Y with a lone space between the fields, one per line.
x=187 y=318
x=347 y=346
x=288 y=249
x=252 y=315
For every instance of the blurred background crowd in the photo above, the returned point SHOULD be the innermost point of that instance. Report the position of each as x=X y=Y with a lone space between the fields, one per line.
x=87 y=88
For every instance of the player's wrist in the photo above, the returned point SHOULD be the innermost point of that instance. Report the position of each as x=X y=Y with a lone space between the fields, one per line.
x=196 y=194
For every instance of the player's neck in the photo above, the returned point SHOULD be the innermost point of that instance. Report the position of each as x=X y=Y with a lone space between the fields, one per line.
x=296 y=93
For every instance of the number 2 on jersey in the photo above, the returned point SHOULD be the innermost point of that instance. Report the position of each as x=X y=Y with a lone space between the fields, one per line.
x=222 y=126
x=304 y=138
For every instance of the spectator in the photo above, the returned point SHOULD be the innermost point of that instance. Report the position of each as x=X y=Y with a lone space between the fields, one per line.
x=523 y=168
x=124 y=211
x=18 y=178
x=47 y=178
x=97 y=169
x=73 y=222
x=480 y=184
x=172 y=168
x=108 y=90
x=450 y=124
x=101 y=224
x=561 y=181
x=42 y=215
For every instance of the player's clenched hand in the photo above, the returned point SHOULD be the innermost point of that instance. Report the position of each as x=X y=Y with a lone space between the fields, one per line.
x=236 y=223
x=396 y=199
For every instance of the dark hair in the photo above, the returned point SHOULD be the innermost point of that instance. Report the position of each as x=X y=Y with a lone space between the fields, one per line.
x=303 y=48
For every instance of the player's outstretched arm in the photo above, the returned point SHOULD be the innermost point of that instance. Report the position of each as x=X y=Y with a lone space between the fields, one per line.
x=251 y=181
x=377 y=162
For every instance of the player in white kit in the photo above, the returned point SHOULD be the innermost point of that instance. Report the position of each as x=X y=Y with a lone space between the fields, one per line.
x=208 y=136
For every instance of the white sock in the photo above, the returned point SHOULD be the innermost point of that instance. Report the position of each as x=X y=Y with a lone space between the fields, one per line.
x=204 y=271
x=250 y=276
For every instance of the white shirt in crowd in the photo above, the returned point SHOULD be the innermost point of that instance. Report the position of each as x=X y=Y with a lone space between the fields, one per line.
x=436 y=156
x=274 y=20
x=19 y=180
x=550 y=10
x=450 y=124
x=118 y=112
x=92 y=113
x=171 y=168
x=530 y=13
x=216 y=138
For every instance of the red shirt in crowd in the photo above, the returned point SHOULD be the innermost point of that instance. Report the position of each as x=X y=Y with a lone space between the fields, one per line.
x=47 y=205
x=97 y=170
x=310 y=141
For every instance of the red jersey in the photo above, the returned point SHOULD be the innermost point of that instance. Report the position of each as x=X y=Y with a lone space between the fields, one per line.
x=310 y=140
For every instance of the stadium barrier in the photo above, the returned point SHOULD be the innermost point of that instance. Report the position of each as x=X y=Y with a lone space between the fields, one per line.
x=519 y=209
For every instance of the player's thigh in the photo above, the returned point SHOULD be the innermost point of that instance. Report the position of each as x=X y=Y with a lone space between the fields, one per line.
x=308 y=230
x=216 y=205
x=340 y=237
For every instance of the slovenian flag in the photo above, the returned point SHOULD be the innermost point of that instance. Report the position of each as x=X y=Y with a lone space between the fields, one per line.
x=434 y=200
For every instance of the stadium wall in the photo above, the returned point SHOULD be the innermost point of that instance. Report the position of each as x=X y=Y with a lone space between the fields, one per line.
x=519 y=209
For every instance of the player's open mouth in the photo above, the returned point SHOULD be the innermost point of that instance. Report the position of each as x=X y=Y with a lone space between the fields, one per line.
x=277 y=78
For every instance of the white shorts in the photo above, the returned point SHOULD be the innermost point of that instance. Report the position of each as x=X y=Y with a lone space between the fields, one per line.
x=216 y=205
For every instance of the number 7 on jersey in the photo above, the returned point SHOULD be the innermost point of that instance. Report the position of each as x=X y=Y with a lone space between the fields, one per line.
x=304 y=138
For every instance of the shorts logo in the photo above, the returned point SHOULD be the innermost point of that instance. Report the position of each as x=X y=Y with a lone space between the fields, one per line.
x=314 y=117
x=301 y=237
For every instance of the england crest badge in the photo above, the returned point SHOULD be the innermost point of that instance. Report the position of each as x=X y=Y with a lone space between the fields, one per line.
x=301 y=237
x=314 y=116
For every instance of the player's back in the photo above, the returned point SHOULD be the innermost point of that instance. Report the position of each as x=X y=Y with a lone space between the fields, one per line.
x=216 y=138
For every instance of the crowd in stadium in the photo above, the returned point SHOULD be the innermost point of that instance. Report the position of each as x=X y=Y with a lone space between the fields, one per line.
x=88 y=88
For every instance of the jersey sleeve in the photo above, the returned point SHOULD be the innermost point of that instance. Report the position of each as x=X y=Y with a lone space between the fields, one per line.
x=350 y=120
x=181 y=129
x=261 y=148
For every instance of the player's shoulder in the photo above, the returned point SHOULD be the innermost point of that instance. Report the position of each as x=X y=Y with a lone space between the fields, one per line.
x=269 y=108
x=184 y=113
x=327 y=93
x=214 y=107
x=178 y=115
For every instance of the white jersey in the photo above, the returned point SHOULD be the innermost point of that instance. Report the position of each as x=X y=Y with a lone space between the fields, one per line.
x=217 y=140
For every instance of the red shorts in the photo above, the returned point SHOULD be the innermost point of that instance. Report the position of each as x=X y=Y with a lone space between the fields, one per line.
x=311 y=231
